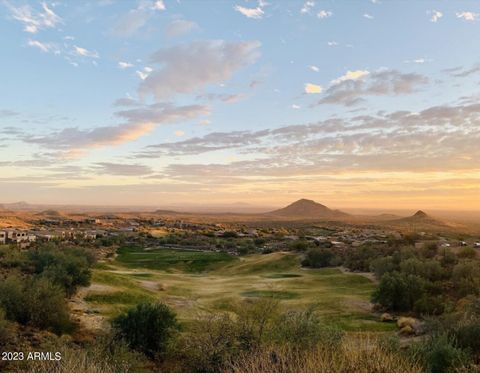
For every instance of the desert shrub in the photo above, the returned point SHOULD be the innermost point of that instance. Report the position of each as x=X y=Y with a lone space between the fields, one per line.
x=37 y=302
x=230 y=234
x=409 y=239
x=440 y=354
x=449 y=259
x=300 y=245
x=398 y=292
x=427 y=269
x=467 y=253
x=13 y=299
x=380 y=266
x=214 y=341
x=389 y=342
x=254 y=321
x=303 y=329
x=429 y=305
x=359 y=258
x=466 y=278
x=210 y=344
x=318 y=258
x=12 y=257
x=46 y=306
x=468 y=337
x=430 y=250
x=67 y=268
x=148 y=328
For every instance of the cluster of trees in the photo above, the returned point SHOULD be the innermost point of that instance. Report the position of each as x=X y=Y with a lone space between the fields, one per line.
x=424 y=281
x=38 y=281
x=228 y=241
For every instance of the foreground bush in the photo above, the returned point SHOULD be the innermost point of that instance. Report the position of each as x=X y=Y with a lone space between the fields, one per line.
x=215 y=341
x=67 y=268
x=36 y=302
x=147 y=328
x=440 y=354
x=303 y=330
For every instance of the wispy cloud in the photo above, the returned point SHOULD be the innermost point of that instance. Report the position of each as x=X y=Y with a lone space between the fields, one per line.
x=34 y=20
x=144 y=73
x=180 y=27
x=468 y=16
x=224 y=97
x=324 y=14
x=435 y=15
x=460 y=72
x=121 y=169
x=307 y=7
x=351 y=75
x=124 y=65
x=83 y=52
x=44 y=47
x=73 y=142
x=254 y=13
x=418 y=60
x=133 y=21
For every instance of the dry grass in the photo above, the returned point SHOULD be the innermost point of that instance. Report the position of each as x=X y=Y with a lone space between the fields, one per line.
x=94 y=360
x=359 y=355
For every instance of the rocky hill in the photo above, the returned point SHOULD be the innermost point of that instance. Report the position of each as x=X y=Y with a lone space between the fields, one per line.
x=308 y=209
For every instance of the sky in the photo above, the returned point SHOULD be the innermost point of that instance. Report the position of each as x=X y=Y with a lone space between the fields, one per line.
x=359 y=104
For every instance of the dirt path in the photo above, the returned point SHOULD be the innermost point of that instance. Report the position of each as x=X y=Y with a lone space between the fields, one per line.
x=88 y=318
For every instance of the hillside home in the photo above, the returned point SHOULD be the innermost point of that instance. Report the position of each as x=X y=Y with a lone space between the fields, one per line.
x=18 y=236
x=3 y=238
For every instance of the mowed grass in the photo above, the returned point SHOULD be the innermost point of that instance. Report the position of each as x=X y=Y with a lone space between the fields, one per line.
x=191 y=282
x=165 y=259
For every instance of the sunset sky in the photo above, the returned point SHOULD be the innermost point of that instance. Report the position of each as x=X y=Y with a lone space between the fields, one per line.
x=351 y=103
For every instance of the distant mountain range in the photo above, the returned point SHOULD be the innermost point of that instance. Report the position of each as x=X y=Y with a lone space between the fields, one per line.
x=308 y=209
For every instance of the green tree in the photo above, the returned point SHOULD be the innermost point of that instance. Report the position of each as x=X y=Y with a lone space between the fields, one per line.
x=318 y=258
x=380 y=266
x=147 y=328
x=398 y=292
x=466 y=278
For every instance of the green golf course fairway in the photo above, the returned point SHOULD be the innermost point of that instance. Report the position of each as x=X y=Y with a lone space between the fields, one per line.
x=190 y=282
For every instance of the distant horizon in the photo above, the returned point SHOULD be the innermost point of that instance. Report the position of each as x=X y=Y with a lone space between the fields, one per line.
x=244 y=206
